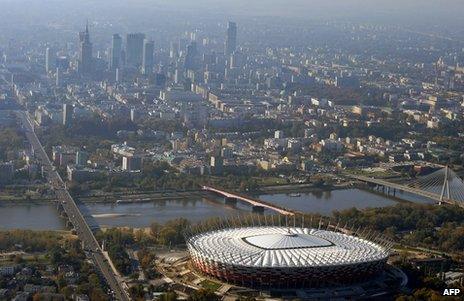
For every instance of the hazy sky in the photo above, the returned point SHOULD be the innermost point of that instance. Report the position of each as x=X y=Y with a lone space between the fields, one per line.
x=307 y=7
x=429 y=12
x=300 y=7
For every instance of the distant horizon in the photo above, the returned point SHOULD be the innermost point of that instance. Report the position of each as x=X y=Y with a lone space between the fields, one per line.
x=407 y=10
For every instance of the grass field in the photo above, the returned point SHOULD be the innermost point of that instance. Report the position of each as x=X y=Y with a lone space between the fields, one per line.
x=271 y=181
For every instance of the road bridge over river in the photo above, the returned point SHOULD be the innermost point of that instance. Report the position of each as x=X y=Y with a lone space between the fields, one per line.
x=73 y=212
x=442 y=186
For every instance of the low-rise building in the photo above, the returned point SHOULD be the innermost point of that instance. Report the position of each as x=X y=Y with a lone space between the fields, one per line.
x=6 y=172
x=7 y=270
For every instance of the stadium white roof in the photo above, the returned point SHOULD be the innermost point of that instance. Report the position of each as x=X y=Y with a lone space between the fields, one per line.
x=276 y=241
x=274 y=246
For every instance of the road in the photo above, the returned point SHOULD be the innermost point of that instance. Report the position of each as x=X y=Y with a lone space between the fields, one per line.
x=74 y=215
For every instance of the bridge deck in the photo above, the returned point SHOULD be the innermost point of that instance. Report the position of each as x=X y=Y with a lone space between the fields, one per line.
x=249 y=200
x=427 y=194
x=73 y=212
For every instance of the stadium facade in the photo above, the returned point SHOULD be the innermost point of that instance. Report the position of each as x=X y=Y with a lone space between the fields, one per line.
x=286 y=257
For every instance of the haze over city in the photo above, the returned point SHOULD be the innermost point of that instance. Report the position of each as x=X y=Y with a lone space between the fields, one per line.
x=231 y=150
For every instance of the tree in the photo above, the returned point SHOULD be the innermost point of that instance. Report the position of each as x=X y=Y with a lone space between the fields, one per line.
x=172 y=232
x=120 y=258
x=436 y=227
x=139 y=235
x=98 y=295
x=43 y=297
x=18 y=259
x=167 y=236
x=168 y=296
x=203 y=295
x=137 y=292
x=68 y=291
x=94 y=281
x=60 y=281
x=3 y=281
x=56 y=255
x=37 y=297
x=155 y=228
x=10 y=140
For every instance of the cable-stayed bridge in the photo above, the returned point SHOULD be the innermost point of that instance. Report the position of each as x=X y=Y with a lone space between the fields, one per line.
x=442 y=186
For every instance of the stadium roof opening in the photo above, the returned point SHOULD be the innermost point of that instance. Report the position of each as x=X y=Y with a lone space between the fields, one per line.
x=288 y=240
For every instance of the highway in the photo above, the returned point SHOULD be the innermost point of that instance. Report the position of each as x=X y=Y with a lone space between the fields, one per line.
x=85 y=234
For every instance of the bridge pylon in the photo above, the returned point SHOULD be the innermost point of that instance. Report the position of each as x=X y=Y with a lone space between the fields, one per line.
x=442 y=186
x=445 y=188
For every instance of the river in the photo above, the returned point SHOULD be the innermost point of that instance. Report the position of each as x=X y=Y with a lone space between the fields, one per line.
x=44 y=216
x=35 y=216
x=325 y=202
x=143 y=214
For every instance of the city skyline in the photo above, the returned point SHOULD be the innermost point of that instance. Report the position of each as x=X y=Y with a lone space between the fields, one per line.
x=218 y=150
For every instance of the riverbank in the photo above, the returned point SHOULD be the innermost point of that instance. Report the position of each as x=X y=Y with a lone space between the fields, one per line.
x=142 y=197
x=24 y=201
x=150 y=196
x=21 y=198
x=304 y=187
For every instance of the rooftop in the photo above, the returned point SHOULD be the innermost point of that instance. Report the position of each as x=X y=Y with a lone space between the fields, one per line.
x=277 y=246
x=289 y=240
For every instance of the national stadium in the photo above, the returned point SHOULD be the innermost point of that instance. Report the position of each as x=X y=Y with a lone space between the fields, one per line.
x=270 y=256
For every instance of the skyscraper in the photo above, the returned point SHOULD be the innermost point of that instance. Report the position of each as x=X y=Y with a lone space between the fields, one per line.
x=118 y=75
x=174 y=50
x=50 y=60
x=134 y=49
x=81 y=158
x=216 y=165
x=190 y=56
x=133 y=115
x=116 y=49
x=67 y=114
x=147 y=60
x=58 y=77
x=85 y=62
x=231 y=39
